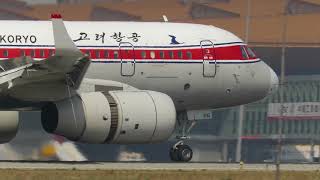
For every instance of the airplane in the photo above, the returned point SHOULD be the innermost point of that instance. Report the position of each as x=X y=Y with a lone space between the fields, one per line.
x=123 y=82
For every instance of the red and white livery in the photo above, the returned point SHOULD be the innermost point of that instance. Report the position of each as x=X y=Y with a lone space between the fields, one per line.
x=124 y=82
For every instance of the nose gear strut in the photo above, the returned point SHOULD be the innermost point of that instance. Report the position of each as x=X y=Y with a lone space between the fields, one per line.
x=180 y=151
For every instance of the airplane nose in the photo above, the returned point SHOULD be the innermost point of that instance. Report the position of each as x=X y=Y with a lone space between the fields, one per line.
x=274 y=81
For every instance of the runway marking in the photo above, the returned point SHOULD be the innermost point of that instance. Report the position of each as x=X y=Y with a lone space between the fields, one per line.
x=153 y=166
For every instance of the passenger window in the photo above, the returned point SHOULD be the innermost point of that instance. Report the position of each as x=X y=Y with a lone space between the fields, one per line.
x=152 y=54
x=189 y=55
x=143 y=54
x=32 y=53
x=106 y=54
x=5 y=53
x=251 y=53
x=51 y=53
x=22 y=53
x=244 y=53
x=97 y=53
x=87 y=53
x=161 y=53
x=116 y=54
x=41 y=53
x=171 y=54
x=180 y=55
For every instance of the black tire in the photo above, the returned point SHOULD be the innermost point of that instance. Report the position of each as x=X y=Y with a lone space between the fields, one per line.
x=184 y=153
x=173 y=154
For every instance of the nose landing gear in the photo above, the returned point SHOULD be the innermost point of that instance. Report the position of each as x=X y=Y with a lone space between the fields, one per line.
x=187 y=120
x=181 y=152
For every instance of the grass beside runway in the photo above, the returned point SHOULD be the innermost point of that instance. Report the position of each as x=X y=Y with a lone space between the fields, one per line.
x=153 y=175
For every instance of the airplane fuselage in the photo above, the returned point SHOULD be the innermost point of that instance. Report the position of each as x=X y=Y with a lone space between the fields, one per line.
x=198 y=66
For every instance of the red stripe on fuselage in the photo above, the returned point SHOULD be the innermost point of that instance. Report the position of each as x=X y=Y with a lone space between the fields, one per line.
x=232 y=52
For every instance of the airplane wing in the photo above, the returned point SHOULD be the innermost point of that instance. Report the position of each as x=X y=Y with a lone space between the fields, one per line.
x=68 y=59
x=11 y=69
x=54 y=78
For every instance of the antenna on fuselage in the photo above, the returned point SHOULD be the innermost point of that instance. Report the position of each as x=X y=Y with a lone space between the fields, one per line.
x=165 y=19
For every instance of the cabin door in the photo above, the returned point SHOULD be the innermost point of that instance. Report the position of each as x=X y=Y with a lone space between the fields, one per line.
x=127 y=56
x=209 y=60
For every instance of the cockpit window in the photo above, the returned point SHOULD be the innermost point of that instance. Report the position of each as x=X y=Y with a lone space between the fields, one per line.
x=251 y=53
x=244 y=53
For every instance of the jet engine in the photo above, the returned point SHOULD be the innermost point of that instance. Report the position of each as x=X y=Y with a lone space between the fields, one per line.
x=8 y=125
x=120 y=117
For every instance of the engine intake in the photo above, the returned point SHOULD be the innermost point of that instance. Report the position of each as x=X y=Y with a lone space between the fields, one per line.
x=117 y=117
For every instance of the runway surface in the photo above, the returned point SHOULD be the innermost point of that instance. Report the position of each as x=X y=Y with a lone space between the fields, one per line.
x=153 y=166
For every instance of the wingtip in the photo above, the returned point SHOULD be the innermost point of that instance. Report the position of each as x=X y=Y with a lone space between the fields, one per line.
x=56 y=16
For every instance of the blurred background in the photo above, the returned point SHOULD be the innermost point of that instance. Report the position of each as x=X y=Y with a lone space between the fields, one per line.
x=278 y=31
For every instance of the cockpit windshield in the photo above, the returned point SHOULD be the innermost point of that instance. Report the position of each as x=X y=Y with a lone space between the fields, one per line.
x=250 y=52
x=244 y=53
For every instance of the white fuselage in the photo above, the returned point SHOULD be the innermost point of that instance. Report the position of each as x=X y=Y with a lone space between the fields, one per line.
x=198 y=66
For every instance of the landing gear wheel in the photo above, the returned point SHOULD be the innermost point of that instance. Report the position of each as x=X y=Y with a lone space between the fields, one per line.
x=184 y=153
x=181 y=153
x=174 y=154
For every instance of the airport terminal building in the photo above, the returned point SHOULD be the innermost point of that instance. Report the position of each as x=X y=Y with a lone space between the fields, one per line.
x=272 y=25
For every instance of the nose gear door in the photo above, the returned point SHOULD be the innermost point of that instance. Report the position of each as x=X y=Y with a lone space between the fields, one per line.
x=127 y=56
x=209 y=60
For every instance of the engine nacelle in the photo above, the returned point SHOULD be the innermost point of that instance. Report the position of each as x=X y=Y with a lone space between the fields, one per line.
x=9 y=124
x=128 y=117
